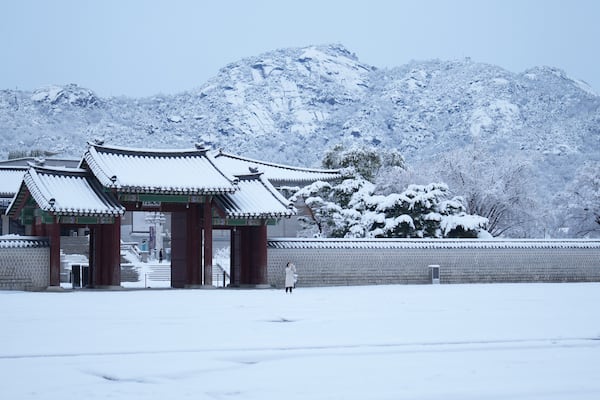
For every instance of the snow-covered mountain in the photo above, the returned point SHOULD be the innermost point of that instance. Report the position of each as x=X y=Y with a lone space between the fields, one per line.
x=290 y=105
x=278 y=104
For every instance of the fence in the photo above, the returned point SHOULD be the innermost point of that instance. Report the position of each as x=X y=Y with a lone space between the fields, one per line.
x=331 y=262
x=24 y=263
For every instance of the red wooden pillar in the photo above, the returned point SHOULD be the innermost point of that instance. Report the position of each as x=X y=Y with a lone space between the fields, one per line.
x=179 y=249
x=235 y=257
x=245 y=256
x=53 y=231
x=208 y=241
x=260 y=255
x=193 y=247
x=38 y=228
x=105 y=255
x=112 y=254
x=91 y=275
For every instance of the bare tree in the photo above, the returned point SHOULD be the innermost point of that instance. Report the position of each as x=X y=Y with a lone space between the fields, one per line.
x=497 y=189
x=582 y=199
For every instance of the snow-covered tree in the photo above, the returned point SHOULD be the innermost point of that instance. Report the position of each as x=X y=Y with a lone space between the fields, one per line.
x=367 y=161
x=582 y=201
x=423 y=211
x=333 y=210
x=497 y=189
x=351 y=209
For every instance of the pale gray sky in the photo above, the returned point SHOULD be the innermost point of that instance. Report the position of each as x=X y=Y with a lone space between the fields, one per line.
x=145 y=47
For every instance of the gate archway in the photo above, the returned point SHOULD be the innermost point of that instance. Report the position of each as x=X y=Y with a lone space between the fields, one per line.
x=186 y=183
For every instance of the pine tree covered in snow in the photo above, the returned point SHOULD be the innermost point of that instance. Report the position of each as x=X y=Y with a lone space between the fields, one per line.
x=353 y=209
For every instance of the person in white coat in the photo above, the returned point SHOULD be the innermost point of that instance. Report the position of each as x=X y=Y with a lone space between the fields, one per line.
x=290 y=277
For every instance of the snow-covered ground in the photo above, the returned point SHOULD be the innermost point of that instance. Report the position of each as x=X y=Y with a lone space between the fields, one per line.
x=504 y=341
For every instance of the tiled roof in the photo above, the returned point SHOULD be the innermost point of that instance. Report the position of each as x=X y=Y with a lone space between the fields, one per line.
x=156 y=171
x=299 y=243
x=68 y=191
x=256 y=198
x=10 y=180
x=11 y=241
x=276 y=173
x=40 y=161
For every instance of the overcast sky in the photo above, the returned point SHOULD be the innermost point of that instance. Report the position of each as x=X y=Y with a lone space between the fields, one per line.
x=145 y=47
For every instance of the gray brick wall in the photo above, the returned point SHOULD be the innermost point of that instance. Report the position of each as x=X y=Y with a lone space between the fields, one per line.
x=320 y=266
x=24 y=268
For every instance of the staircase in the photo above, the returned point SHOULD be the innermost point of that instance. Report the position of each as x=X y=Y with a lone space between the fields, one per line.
x=129 y=273
x=220 y=276
x=159 y=272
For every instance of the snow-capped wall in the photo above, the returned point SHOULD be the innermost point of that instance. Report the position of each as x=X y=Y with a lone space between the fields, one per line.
x=24 y=263
x=329 y=262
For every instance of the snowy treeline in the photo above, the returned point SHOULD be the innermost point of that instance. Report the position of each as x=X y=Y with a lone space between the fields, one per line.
x=582 y=202
x=383 y=196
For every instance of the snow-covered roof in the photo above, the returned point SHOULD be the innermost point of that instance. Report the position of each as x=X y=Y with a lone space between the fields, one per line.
x=256 y=198
x=299 y=243
x=156 y=171
x=42 y=161
x=276 y=173
x=13 y=241
x=67 y=191
x=10 y=180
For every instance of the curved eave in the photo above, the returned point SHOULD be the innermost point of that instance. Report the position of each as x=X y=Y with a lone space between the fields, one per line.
x=86 y=213
x=40 y=186
x=256 y=199
x=278 y=174
x=249 y=215
x=173 y=191
x=97 y=168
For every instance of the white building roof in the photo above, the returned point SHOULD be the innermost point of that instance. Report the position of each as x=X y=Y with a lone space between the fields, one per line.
x=10 y=180
x=41 y=161
x=256 y=198
x=68 y=191
x=276 y=173
x=156 y=171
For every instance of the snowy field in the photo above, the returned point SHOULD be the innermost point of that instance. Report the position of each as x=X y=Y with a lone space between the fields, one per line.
x=505 y=341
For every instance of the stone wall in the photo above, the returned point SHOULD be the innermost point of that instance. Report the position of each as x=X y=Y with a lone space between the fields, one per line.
x=24 y=263
x=333 y=262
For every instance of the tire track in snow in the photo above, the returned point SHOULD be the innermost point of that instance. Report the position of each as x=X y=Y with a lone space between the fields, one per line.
x=459 y=345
